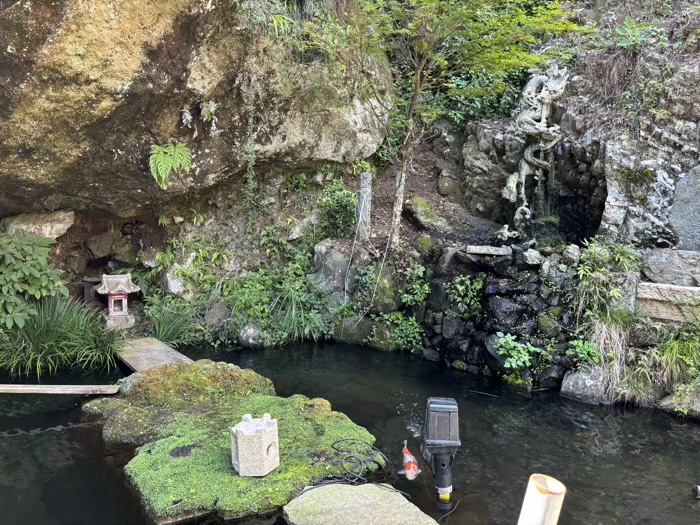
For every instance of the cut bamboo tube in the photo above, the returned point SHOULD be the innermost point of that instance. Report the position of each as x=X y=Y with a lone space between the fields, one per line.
x=543 y=500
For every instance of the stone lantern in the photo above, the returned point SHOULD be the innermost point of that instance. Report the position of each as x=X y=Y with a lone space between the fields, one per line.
x=255 y=446
x=117 y=288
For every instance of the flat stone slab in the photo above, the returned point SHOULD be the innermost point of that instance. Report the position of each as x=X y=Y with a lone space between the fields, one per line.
x=669 y=302
x=489 y=250
x=343 y=504
x=148 y=352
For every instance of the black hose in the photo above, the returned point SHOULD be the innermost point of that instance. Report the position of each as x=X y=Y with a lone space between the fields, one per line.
x=361 y=463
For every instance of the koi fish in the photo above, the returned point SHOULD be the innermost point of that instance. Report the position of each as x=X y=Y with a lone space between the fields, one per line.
x=410 y=465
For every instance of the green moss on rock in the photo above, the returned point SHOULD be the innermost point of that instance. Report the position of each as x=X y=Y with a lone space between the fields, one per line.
x=190 y=473
x=179 y=385
x=183 y=413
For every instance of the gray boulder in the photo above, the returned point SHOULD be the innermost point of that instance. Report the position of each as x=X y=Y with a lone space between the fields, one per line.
x=344 y=504
x=571 y=255
x=51 y=225
x=678 y=267
x=686 y=210
x=584 y=385
x=364 y=331
x=452 y=327
x=331 y=268
x=532 y=257
x=249 y=337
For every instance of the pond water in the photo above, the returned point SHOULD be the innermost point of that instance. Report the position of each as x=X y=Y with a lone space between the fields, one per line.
x=620 y=466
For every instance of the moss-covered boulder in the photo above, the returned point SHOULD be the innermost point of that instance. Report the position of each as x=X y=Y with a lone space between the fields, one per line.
x=183 y=414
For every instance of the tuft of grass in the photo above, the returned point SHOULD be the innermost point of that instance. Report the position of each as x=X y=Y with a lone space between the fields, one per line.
x=60 y=334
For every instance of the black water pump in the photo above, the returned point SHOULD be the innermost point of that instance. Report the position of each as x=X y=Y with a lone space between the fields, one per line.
x=440 y=444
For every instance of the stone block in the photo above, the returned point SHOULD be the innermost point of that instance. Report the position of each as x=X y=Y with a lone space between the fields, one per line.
x=669 y=302
x=488 y=250
x=255 y=446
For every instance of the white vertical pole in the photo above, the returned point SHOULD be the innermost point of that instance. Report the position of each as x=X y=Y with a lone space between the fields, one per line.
x=543 y=500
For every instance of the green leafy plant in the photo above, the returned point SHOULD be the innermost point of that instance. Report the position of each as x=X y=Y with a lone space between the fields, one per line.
x=596 y=294
x=405 y=330
x=25 y=273
x=464 y=293
x=197 y=217
x=584 y=352
x=170 y=321
x=165 y=160
x=59 y=334
x=416 y=289
x=337 y=207
x=631 y=35
x=519 y=356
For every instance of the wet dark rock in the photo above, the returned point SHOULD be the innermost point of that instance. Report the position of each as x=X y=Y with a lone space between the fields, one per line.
x=437 y=300
x=431 y=355
x=550 y=377
x=503 y=287
x=452 y=327
x=505 y=312
x=531 y=301
x=495 y=361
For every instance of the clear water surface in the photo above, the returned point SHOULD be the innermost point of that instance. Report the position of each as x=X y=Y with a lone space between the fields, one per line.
x=621 y=466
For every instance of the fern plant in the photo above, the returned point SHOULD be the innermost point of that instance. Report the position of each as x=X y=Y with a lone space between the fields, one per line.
x=165 y=160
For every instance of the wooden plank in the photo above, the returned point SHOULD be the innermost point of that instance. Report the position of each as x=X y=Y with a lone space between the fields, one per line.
x=148 y=352
x=59 y=389
x=669 y=302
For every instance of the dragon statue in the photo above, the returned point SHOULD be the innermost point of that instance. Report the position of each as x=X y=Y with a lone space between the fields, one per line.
x=534 y=121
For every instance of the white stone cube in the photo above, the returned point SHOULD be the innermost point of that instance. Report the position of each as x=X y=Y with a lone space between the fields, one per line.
x=255 y=446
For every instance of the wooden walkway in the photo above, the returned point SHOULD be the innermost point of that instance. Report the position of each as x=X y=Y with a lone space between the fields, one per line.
x=60 y=389
x=138 y=354
x=148 y=352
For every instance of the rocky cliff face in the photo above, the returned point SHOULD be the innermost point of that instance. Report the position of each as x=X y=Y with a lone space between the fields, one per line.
x=628 y=166
x=89 y=86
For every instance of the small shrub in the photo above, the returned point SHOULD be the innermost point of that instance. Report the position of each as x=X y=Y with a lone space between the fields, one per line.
x=584 y=352
x=25 y=273
x=464 y=292
x=519 y=356
x=337 y=207
x=59 y=334
x=416 y=289
x=595 y=294
x=631 y=35
x=164 y=160
x=407 y=332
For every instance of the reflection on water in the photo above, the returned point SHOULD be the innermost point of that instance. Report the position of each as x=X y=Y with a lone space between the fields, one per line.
x=621 y=467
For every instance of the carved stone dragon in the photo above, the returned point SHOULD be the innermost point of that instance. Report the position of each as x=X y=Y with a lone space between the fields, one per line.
x=533 y=120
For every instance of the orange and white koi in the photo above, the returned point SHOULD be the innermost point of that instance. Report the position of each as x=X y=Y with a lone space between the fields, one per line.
x=410 y=465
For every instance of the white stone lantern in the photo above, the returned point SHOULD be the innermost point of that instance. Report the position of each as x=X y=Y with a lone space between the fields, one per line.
x=255 y=446
x=117 y=288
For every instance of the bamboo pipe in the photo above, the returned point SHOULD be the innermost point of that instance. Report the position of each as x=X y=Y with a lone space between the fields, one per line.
x=543 y=500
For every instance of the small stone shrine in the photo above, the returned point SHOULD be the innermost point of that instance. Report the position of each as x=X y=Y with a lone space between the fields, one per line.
x=255 y=446
x=118 y=288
